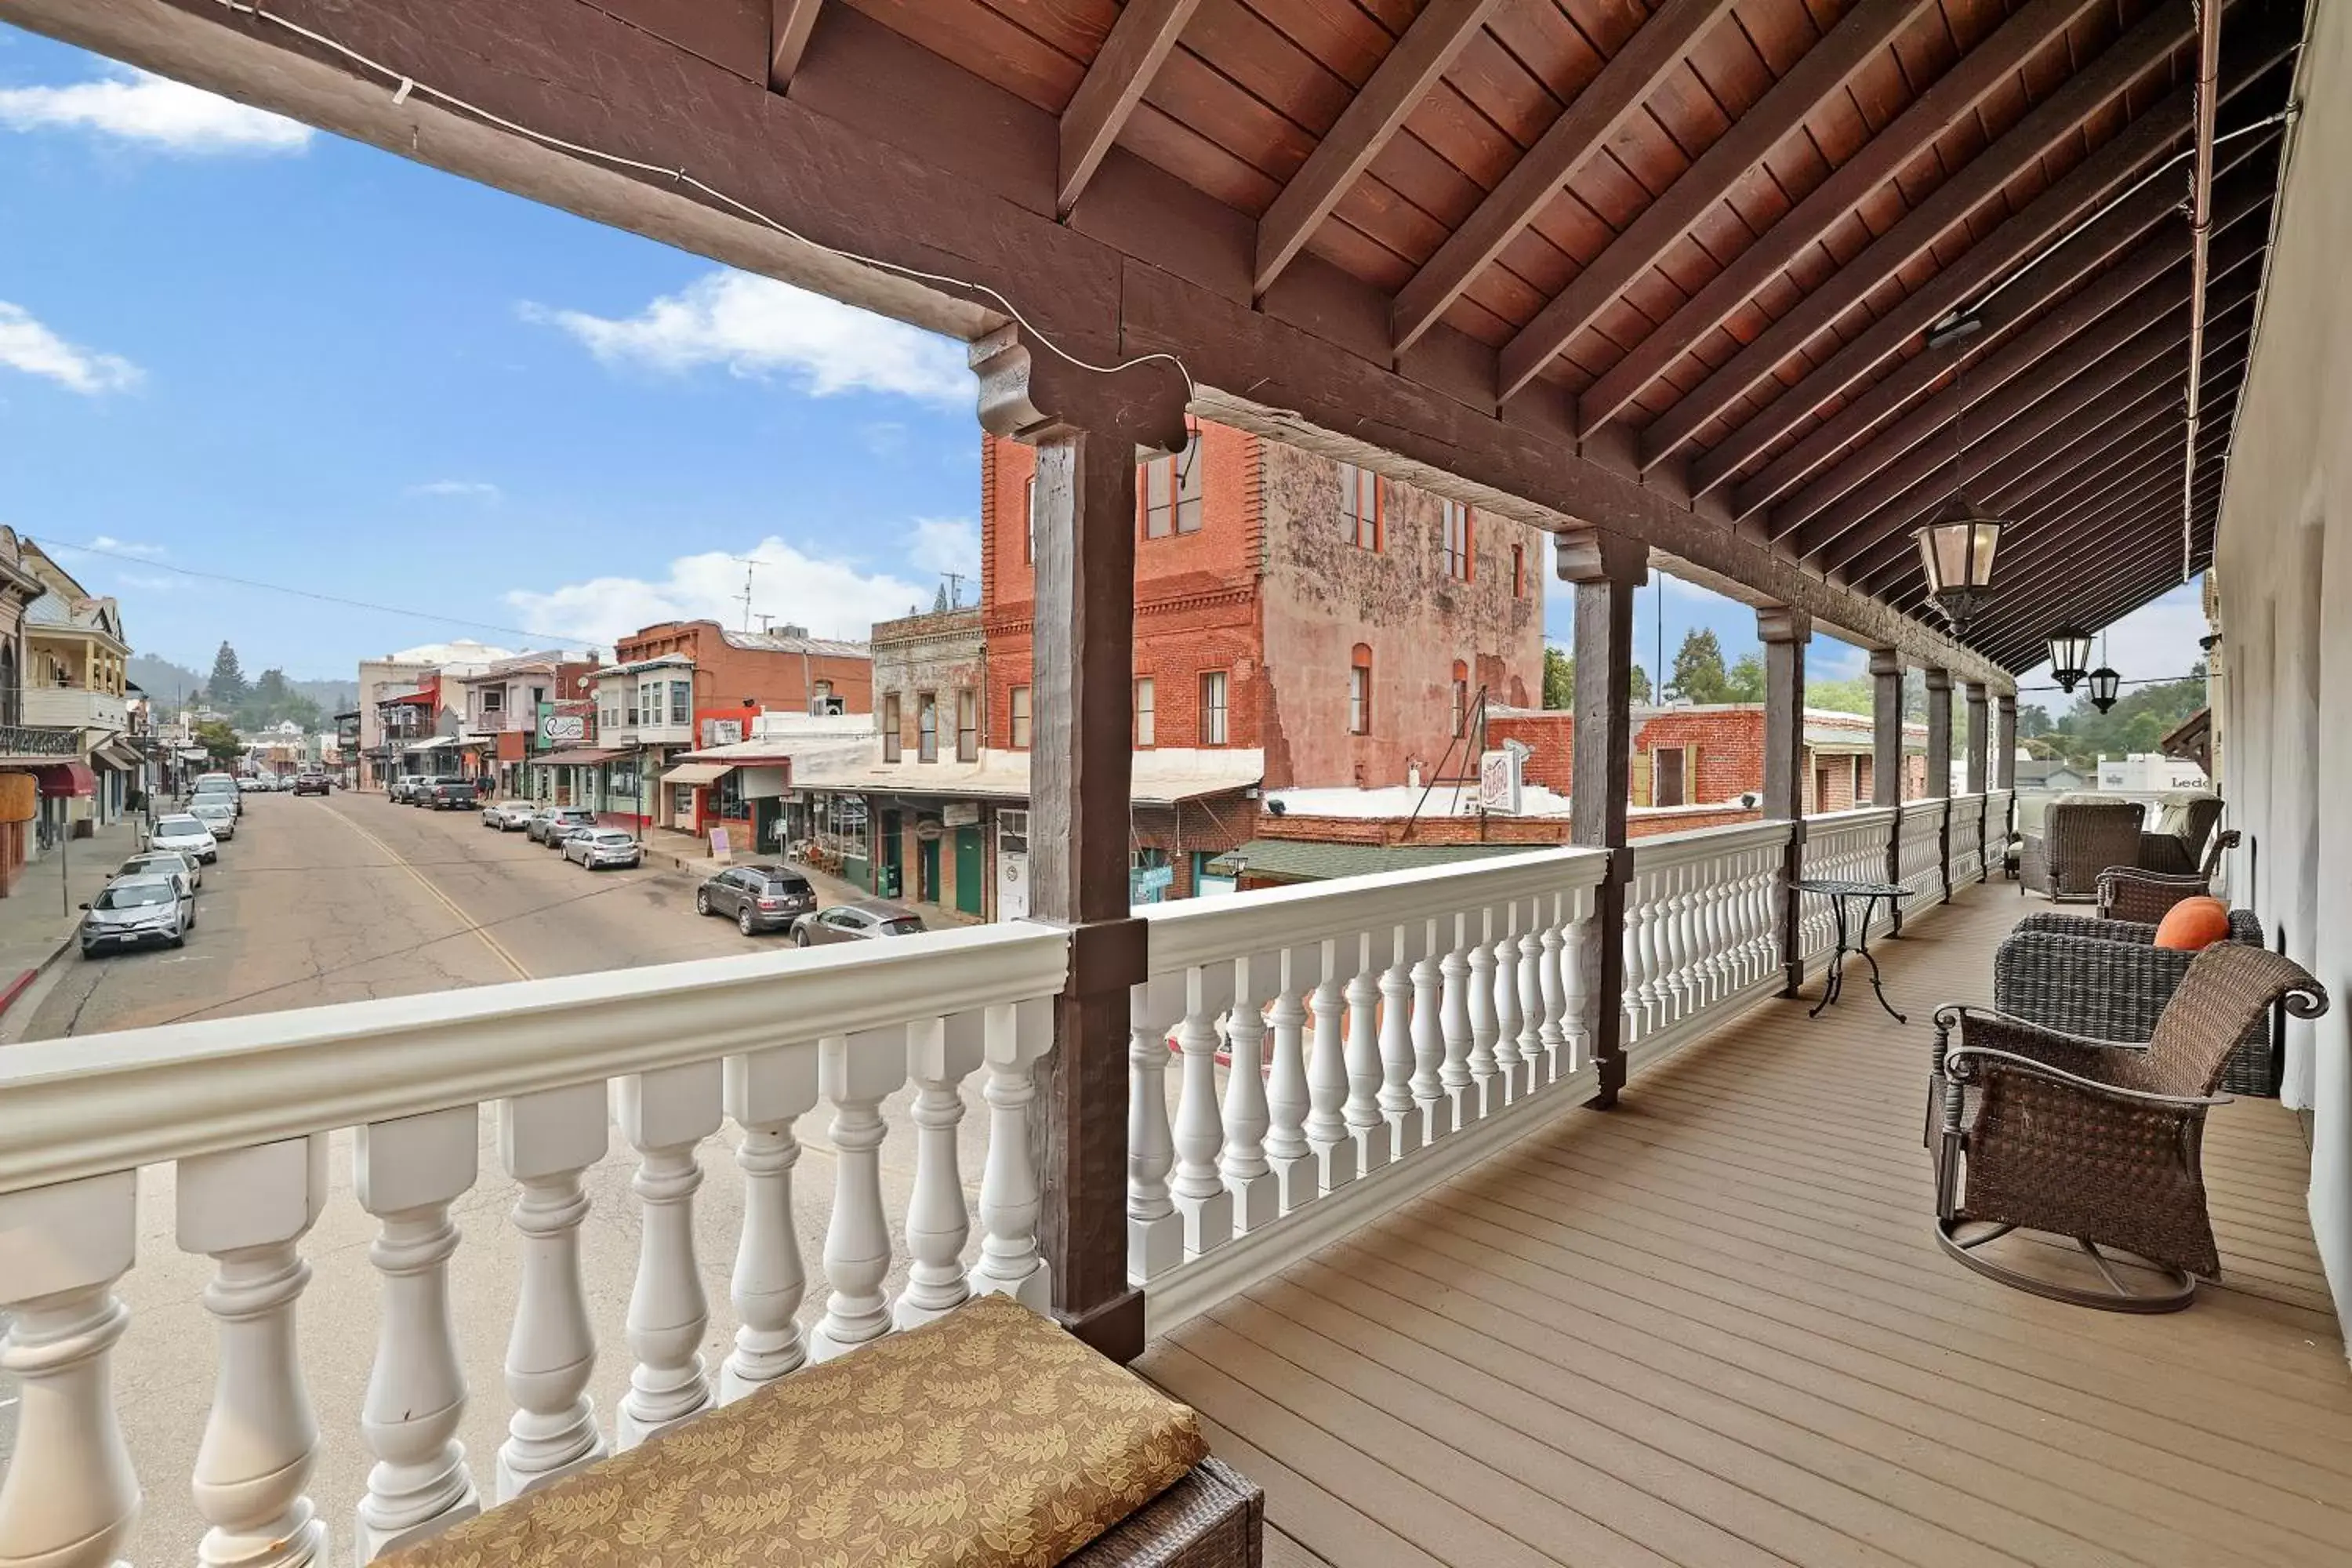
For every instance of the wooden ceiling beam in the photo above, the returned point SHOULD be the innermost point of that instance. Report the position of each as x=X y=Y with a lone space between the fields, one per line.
x=2054 y=121
x=1867 y=30
x=790 y=21
x=2115 y=586
x=2024 y=643
x=1397 y=85
x=1836 y=440
x=2062 y=202
x=1122 y=71
x=1591 y=117
x=1948 y=98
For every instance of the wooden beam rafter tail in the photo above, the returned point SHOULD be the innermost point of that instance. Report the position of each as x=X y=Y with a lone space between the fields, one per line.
x=790 y=21
x=1397 y=85
x=1121 y=73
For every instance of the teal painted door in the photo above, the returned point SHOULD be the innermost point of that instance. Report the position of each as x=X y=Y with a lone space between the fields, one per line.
x=967 y=868
x=927 y=863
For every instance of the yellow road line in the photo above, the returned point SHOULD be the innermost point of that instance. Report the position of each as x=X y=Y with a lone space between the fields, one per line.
x=447 y=902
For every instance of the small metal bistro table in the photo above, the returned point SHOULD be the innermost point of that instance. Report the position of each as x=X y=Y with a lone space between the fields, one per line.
x=1841 y=895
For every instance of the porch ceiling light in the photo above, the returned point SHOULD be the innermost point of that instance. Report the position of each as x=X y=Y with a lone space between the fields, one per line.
x=2070 y=658
x=2104 y=682
x=1956 y=551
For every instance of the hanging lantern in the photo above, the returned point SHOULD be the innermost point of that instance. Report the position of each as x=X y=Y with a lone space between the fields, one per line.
x=2070 y=658
x=2104 y=682
x=1956 y=549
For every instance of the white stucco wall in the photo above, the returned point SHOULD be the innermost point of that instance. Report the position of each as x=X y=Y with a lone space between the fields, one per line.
x=2285 y=575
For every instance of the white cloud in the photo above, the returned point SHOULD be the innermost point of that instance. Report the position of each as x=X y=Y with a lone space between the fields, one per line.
x=27 y=345
x=945 y=544
x=111 y=545
x=832 y=599
x=468 y=489
x=756 y=326
x=137 y=106
x=2156 y=642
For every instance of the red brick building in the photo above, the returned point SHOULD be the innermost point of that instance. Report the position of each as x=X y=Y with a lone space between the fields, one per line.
x=1337 y=622
x=779 y=669
x=1713 y=754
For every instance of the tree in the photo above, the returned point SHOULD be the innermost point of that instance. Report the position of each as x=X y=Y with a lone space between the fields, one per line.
x=218 y=738
x=1637 y=685
x=227 y=688
x=1559 y=680
x=1698 y=670
x=1854 y=696
x=2032 y=720
x=1745 y=681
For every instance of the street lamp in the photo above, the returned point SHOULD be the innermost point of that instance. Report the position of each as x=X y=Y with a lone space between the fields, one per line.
x=2070 y=658
x=2104 y=682
x=1956 y=551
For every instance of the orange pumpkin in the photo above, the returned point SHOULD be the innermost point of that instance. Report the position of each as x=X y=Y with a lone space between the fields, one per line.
x=2194 y=924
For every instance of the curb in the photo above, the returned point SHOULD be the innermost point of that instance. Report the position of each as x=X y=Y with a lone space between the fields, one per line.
x=29 y=980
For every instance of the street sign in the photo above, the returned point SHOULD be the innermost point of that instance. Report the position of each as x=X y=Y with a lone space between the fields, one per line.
x=1498 y=782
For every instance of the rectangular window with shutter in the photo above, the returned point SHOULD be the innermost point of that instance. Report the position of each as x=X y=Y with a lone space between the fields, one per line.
x=1668 y=782
x=1456 y=541
x=890 y=740
x=1147 y=720
x=1360 y=506
x=1020 y=710
x=1170 y=492
x=927 y=727
x=1212 y=708
x=967 y=725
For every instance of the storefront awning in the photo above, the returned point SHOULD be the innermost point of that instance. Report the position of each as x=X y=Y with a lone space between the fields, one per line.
x=578 y=759
x=697 y=772
x=61 y=779
x=117 y=755
x=436 y=743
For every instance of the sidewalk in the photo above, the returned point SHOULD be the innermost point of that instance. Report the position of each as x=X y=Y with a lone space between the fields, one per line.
x=687 y=852
x=38 y=917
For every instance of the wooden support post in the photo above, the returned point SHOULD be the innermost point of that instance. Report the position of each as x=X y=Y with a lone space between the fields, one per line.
x=1606 y=568
x=1886 y=766
x=2004 y=767
x=1784 y=632
x=1980 y=749
x=1939 y=766
x=1087 y=429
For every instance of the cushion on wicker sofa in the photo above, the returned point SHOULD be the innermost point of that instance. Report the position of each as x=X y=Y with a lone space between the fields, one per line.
x=2192 y=924
x=986 y=1439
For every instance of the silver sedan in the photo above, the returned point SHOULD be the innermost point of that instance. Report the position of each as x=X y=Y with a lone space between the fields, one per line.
x=596 y=848
x=854 y=922
x=506 y=815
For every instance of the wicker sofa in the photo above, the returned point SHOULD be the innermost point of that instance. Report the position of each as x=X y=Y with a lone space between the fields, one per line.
x=2080 y=837
x=2107 y=979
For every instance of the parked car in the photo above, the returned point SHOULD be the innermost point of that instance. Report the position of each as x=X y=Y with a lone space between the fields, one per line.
x=597 y=848
x=855 y=922
x=216 y=815
x=219 y=794
x=543 y=825
x=166 y=863
x=506 y=815
x=252 y=782
x=186 y=833
x=562 y=833
x=132 y=912
x=448 y=795
x=310 y=784
x=404 y=789
x=757 y=898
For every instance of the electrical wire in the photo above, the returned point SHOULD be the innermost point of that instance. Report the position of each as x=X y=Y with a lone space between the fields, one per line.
x=406 y=86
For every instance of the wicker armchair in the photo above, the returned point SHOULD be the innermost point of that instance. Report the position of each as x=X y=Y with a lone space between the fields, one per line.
x=2108 y=979
x=2079 y=839
x=2175 y=845
x=2131 y=893
x=2043 y=1130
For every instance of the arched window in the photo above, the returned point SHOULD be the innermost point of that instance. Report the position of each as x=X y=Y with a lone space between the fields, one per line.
x=1461 y=698
x=1360 y=690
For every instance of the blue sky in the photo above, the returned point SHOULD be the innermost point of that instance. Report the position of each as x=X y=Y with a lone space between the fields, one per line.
x=231 y=345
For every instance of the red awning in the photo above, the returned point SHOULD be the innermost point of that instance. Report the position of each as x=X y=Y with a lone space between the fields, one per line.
x=67 y=778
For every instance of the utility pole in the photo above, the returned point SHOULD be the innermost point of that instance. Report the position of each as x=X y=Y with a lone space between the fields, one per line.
x=955 y=589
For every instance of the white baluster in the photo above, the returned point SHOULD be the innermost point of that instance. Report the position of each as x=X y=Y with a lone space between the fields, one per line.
x=1488 y=1095
x=1510 y=1076
x=1243 y=1165
x=1534 y=1060
x=1721 y=889
x=246 y=1210
x=1366 y=1126
x=664 y=1115
x=1155 y=1233
x=1286 y=1082
x=940 y=1054
x=1198 y=1186
x=1433 y=1110
x=1553 y=951
x=767 y=1092
x=1673 y=942
x=1462 y=1106
x=1641 y=955
x=1576 y=1020
x=1397 y=1110
x=407 y=1173
x=856 y=1073
x=545 y=1141
x=68 y=1496
x=1014 y=1037
x=1328 y=1138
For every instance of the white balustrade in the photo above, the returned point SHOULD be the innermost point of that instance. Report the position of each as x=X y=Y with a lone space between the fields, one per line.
x=940 y=1054
x=1155 y=1234
x=1919 y=862
x=856 y=1073
x=1204 y=1207
x=1509 y=1075
x=767 y=1092
x=1708 y=896
x=1367 y=1129
x=407 y=1173
x=1400 y=1131
x=1846 y=846
x=1015 y=1035
x=68 y=1497
x=1486 y=1090
x=664 y=1115
x=1243 y=1167
x=1328 y=1141
x=1433 y=1111
x=1286 y=1103
x=1461 y=1090
x=545 y=1141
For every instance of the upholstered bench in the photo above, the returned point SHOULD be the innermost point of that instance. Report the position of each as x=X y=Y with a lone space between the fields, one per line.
x=987 y=1439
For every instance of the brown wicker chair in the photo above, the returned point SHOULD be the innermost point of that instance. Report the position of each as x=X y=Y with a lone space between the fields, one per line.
x=2175 y=845
x=2079 y=838
x=2134 y=893
x=2095 y=1140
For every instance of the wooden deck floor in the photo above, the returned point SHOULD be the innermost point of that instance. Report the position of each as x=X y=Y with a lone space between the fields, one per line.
x=1713 y=1328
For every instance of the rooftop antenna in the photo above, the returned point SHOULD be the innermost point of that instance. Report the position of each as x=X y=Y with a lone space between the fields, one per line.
x=764 y=619
x=955 y=589
x=749 y=564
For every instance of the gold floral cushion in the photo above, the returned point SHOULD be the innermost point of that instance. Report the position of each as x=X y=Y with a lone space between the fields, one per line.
x=988 y=1439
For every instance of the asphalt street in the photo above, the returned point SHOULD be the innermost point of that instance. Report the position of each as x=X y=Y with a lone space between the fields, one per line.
x=345 y=896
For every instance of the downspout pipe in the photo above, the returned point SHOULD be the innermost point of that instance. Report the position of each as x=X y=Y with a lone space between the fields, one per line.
x=2200 y=234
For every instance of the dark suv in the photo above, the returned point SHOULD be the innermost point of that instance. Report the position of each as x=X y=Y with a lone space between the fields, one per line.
x=446 y=794
x=759 y=897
